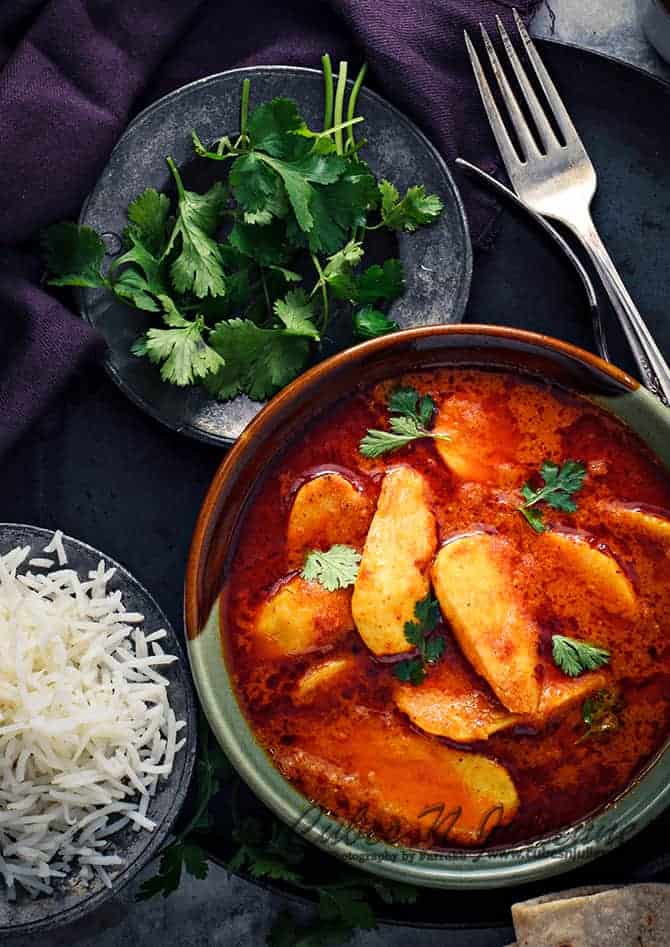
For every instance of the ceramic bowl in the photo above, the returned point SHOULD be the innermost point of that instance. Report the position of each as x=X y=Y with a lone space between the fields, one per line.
x=214 y=546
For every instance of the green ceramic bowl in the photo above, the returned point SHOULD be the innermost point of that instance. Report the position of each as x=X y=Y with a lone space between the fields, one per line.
x=214 y=546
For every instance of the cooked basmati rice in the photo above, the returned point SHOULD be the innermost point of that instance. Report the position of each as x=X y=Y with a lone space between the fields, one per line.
x=86 y=729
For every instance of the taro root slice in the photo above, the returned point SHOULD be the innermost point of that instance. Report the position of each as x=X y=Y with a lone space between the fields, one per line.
x=473 y=581
x=301 y=616
x=393 y=574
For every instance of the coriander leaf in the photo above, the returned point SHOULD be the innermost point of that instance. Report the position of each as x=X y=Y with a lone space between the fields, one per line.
x=297 y=175
x=413 y=633
x=73 y=255
x=168 y=877
x=271 y=866
x=348 y=905
x=349 y=256
x=414 y=210
x=559 y=483
x=427 y=612
x=408 y=427
x=575 y=657
x=431 y=649
x=265 y=244
x=370 y=323
x=534 y=518
x=339 y=208
x=132 y=286
x=373 y=284
x=409 y=402
x=289 y=275
x=195 y=861
x=258 y=361
x=601 y=712
x=380 y=282
x=197 y=267
x=375 y=443
x=410 y=416
x=257 y=189
x=181 y=349
x=410 y=671
x=434 y=649
x=148 y=215
x=142 y=287
x=334 y=569
x=296 y=311
x=272 y=127
x=395 y=892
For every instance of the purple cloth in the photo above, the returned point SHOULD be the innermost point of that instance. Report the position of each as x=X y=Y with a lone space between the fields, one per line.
x=73 y=72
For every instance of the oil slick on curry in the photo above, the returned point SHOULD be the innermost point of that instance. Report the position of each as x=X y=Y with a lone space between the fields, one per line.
x=448 y=612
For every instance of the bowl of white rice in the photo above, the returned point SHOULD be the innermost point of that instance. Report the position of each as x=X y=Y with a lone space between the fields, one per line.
x=97 y=728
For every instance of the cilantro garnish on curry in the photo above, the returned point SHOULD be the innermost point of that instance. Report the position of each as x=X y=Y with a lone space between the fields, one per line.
x=402 y=641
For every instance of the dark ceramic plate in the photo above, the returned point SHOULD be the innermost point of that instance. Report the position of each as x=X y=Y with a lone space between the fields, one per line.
x=29 y=916
x=438 y=260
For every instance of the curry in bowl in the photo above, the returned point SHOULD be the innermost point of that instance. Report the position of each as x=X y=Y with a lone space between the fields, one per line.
x=447 y=614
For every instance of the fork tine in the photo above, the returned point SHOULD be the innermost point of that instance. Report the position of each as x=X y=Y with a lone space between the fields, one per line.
x=505 y=146
x=544 y=129
x=560 y=112
x=526 y=140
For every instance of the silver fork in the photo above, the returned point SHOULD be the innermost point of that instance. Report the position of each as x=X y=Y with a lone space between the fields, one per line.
x=558 y=181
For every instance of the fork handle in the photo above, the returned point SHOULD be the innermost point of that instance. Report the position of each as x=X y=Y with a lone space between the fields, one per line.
x=653 y=367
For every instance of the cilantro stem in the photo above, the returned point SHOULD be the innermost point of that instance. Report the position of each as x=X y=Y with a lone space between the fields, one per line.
x=328 y=91
x=177 y=177
x=244 y=107
x=351 y=109
x=266 y=294
x=324 y=290
x=339 y=105
x=342 y=125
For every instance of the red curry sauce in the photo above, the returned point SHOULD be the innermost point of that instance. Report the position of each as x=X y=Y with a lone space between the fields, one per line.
x=558 y=779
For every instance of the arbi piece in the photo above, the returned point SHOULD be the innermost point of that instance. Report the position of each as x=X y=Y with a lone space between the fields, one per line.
x=653 y=525
x=402 y=784
x=473 y=581
x=319 y=678
x=600 y=578
x=327 y=510
x=480 y=447
x=560 y=693
x=392 y=576
x=302 y=616
x=450 y=704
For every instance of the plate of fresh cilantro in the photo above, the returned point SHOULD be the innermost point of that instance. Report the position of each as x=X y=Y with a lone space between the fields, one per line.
x=251 y=224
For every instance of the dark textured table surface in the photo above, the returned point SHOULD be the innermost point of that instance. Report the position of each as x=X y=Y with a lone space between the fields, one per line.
x=95 y=461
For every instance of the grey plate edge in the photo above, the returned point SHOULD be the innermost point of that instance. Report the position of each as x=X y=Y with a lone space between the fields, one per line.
x=461 y=300
x=155 y=840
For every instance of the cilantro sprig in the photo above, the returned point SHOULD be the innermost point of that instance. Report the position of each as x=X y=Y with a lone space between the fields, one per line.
x=601 y=713
x=575 y=657
x=239 y=284
x=559 y=484
x=334 y=568
x=419 y=633
x=410 y=416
